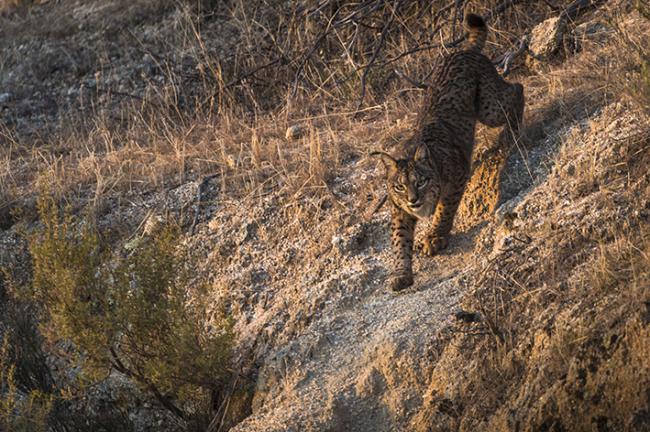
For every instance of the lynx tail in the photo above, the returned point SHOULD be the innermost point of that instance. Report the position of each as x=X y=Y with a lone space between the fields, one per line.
x=477 y=31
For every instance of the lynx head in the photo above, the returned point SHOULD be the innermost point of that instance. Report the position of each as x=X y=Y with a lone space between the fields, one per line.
x=413 y=184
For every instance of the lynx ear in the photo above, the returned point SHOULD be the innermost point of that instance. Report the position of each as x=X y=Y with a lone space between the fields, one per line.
x=421 y=154
x=389 y=162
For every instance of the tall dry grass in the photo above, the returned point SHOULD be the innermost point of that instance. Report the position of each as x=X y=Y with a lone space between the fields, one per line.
x=276 y=64
x=258 y=67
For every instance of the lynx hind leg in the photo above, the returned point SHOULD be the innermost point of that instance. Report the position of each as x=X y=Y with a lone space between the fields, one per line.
x=402 y=231
x=500 y=103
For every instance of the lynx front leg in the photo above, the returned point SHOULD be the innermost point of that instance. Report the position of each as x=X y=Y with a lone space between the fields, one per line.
x=402 y=229
x=437 y=238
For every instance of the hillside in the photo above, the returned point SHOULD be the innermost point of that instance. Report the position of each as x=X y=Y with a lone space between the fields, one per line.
x=137 y=114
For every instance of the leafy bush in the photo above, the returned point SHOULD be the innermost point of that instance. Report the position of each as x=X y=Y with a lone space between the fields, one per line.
x=129 y=314
x=19 y=410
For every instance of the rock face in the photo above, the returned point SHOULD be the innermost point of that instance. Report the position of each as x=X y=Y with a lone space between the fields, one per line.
x=545 y=40
x=359 y=368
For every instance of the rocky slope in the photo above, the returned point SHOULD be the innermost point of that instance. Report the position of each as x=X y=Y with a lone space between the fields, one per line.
x=341 y=352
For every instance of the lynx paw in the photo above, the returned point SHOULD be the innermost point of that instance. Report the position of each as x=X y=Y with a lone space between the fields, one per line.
x=432 y=245
x=401 y=281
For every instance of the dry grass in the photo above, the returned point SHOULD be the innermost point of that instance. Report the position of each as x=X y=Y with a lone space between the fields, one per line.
x=566 y=301
x=233 y=121
x=231 y=117
x=569 y=336
x=181 y=130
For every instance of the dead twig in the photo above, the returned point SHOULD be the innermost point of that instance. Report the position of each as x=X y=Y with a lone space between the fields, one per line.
x=579 y=7
x=458 y=16
x=330 y=26
x=502 y=7
x=414 y=83
x=492 y=326
x=505 y=60
x=375 y=54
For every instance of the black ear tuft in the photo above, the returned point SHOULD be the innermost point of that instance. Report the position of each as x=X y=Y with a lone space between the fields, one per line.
x=474 y=21
x=421 y=153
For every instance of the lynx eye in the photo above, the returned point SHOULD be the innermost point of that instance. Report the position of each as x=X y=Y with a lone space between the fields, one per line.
x=399 y=187
x=422 y=182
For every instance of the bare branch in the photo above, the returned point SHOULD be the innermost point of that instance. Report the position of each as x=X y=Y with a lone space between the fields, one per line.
x=505 y=60
x=579 y=7
x=378 y=47
x=414 y=83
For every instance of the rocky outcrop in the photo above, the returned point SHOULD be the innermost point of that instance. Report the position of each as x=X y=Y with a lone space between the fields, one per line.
x=545 y=40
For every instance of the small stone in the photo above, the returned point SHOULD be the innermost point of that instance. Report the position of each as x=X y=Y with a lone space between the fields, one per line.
x=294 y=132
x=153 y=224
x=352 y=241
x=246 y=232
x=571 y=170
x=5 y=97
x=467 y=317
x=133 y=244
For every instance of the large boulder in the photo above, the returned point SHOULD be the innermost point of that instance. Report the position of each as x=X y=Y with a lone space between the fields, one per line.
x=545 y=40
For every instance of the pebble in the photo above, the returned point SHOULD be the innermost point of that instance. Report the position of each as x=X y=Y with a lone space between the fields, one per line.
x=294 y=132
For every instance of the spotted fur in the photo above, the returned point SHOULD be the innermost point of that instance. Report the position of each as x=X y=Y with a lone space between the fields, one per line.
x=429 y=175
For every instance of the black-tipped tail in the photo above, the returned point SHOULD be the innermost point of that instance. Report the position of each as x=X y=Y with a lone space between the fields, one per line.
x=477 y=31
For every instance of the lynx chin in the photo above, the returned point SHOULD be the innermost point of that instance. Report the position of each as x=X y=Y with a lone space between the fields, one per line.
x=429 y=174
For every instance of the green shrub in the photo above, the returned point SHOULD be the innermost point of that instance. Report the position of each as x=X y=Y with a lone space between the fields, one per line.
x=129 y=314
x=20 y=411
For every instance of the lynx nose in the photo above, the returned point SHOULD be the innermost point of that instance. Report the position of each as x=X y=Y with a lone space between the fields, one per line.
x=412 y=196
